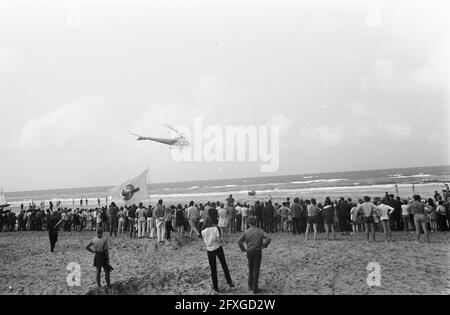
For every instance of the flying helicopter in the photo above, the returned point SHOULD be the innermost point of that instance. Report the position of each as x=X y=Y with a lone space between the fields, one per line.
x=177 y=142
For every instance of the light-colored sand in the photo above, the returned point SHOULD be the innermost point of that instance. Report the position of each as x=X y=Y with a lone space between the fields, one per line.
x=290 y=266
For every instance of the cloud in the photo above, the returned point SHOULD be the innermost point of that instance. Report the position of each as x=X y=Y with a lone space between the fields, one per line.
x=9 y=57
x=329 y=136
x=74 y=125
x=434 y=72
x=397 y=131
x=321 y=135
x=280 y=121
x=209 y=92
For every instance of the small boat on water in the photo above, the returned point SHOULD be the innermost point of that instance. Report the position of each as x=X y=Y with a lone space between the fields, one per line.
x=3 y=200
x=252 y=193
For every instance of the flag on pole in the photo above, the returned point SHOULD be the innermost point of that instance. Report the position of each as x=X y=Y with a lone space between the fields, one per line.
x=132 y=191
x=3 y=201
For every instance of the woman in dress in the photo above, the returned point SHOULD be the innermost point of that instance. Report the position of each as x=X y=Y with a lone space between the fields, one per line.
x=179 y=220
x=101 y=258
x=213 y=241
x=223 y=221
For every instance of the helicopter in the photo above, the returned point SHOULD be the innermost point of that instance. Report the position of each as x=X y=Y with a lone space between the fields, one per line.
x=178 y=142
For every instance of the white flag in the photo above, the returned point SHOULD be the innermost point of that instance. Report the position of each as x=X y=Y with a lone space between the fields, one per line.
x=3 y=201
x=132 y=191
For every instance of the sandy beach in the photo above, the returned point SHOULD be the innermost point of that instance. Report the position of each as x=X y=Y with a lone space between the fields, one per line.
x=290 y=265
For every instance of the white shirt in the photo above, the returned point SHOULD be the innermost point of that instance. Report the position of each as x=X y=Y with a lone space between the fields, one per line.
x=244 y=211
x=354 y=213
x=384 y=211
x=405 y=210
x=211 y=238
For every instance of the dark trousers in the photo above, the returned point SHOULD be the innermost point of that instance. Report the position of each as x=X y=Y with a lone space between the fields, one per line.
x=169 y=228
x=113 y=226
x=268 y=227
x=442 y=222
x=296 y=226
x=259 y=221
x=254 y=264
x=238 y=223
x=53 y=237
x=213 y=265
x=232 y=225
x=131 y=228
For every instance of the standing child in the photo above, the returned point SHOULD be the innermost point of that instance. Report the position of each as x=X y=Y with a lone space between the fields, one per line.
x=101 y=258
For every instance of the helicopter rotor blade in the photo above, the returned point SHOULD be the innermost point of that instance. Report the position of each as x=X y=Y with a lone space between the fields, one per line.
x=171 y=128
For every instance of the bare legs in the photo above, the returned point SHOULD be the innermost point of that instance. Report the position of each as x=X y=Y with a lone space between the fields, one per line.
x=107 y=277
x=370 y=227
x=327 y=231
x=308 y=226
x=223 y=232
x=418 y=223
x=387 y=230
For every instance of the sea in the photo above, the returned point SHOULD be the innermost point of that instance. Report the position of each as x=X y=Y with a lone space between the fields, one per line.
x=354 y=184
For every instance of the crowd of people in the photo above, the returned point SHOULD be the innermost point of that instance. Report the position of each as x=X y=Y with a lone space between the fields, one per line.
x=297 y=216
x=214 y=221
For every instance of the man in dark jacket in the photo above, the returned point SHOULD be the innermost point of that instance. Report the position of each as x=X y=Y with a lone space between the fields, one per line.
x=53 y=228
x=296 y=216
x=268 y=212
x=256 y=240
x=112 y=218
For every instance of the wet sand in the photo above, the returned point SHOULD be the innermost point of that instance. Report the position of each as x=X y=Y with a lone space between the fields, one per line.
x=290 y=265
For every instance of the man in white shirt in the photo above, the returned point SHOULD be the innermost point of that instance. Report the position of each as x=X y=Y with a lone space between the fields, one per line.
x=214 y=242
x=384 y=212
x=140 y=215
x=244 y=212
x=192 y=214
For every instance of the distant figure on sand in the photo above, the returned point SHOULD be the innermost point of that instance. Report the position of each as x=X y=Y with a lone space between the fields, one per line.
x=256 y=240
x=192 y=214
x=368 y=211
x=384 y=212
x=419 y=210
x=53 y=228
x=213 y=241
x=223 y=221
x=101 y=258
x=160 y=215
x=328 y=218
x=230 y=201
x=313 y=218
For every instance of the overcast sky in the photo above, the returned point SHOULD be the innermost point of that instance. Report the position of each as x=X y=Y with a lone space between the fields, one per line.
x=352 y=85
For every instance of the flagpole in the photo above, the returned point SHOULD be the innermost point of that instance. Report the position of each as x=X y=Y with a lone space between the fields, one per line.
x=148 y=181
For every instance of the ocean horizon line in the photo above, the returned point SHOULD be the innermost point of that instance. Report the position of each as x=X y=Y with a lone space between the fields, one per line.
x=225 y=179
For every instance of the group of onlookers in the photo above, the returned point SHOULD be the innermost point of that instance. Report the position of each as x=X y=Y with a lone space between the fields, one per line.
x=296 y=216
